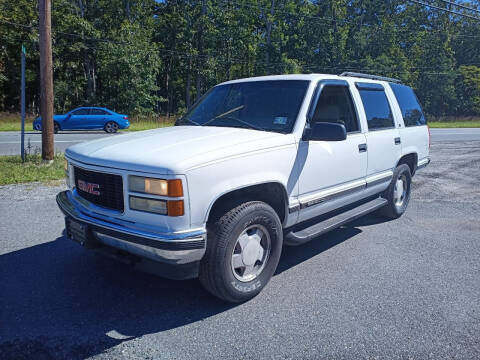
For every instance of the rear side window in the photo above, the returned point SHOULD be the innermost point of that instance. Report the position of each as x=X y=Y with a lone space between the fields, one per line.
x=81 y=112
x=98 y=112
x=411 y=110
x=377 y=109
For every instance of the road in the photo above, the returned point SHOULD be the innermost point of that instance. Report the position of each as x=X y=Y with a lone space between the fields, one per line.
x=10 y=140
x=374 y=289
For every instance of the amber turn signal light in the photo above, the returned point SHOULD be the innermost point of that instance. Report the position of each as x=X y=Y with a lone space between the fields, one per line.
x=175 y=208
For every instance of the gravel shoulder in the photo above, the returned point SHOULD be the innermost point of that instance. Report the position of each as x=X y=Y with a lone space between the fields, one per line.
x=403 y=289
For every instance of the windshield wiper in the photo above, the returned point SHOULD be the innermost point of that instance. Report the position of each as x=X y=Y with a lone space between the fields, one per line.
x=224 y=115
x=251 y=126
x=182 y=119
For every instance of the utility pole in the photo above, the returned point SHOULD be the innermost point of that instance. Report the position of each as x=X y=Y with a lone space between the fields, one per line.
x=22 y=105
x=46 y=79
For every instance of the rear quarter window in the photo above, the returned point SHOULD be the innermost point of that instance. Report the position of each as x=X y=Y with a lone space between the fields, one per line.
x=411 y=110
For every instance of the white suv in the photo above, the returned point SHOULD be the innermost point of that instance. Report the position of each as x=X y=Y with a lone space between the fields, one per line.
x=255 y=164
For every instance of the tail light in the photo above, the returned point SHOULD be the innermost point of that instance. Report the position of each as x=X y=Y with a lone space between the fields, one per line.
x=125 y=117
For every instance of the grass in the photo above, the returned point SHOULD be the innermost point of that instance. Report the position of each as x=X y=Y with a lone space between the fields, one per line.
x=138 y=123
x=455 y=124
x=11 y=122
x=14 y=171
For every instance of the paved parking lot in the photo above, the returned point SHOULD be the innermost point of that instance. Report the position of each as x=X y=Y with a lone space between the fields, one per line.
x=404 y=289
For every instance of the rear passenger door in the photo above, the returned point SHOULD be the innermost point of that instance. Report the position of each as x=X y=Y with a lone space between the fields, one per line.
x=97 y=118
x=383 y=138
x=414 y=133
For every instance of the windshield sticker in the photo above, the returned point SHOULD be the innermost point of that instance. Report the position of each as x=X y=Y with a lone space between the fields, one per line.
x=280 y=120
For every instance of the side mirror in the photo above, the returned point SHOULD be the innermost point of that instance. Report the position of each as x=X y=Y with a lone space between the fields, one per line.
x=325 y=131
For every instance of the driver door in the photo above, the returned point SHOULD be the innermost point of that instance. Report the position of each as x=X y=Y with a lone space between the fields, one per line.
x=333 y=172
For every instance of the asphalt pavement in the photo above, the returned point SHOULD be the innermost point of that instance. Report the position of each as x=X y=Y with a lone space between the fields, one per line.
x=10 y=140
x=374 y=289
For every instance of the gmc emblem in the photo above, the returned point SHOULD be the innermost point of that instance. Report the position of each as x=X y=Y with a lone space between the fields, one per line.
x=90 y=188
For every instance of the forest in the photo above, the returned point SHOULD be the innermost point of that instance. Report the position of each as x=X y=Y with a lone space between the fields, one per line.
x=158 y=57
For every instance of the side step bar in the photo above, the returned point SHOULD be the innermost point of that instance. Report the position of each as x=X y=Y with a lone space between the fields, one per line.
x=305 y=235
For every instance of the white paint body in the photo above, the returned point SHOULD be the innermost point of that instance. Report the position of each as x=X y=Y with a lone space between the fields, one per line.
x=213 y=161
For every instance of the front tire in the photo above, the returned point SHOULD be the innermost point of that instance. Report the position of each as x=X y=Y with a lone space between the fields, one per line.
x=398 y=193
x=111 y=127
x=56 y=127
x=243 y=250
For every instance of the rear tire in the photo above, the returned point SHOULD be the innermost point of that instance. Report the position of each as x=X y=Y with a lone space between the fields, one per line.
x=398 y=193
x=38 y=127
x=243 y=250
x=111 y=127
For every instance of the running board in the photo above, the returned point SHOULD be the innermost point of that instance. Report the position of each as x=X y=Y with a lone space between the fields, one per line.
x=305 y=235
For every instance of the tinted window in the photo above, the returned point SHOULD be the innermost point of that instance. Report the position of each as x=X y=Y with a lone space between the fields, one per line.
x=81 y=112
x=265 y=105
x=98 y=112
x=377 y=109
x=411 y=109
x=335 y=105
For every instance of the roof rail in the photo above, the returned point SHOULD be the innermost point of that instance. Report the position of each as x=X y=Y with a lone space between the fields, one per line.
x=372 y=77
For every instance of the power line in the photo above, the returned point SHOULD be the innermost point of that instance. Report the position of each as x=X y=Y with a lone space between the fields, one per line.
x=461 y=6
x=444 y=9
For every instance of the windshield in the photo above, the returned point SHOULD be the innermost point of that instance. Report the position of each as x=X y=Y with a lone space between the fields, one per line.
x=261 y=105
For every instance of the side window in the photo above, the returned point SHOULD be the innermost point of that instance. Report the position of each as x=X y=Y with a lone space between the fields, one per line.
x=411 y=110
x=81 y=112
x=377 y=109
x=335 y=105
x=97 y=112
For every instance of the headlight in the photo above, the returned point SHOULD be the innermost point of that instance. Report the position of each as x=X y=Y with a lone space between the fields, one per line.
x=160 y=187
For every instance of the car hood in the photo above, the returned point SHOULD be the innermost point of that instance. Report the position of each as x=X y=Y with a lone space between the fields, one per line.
x=174 y=150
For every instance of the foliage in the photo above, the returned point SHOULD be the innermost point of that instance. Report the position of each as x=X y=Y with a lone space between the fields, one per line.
x=14 y=171
x=148 y=56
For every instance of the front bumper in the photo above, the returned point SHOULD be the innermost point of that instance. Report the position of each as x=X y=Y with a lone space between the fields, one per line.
x=173 y=248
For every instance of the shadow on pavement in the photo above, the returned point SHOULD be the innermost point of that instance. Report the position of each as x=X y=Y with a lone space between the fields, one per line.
x=59 y=300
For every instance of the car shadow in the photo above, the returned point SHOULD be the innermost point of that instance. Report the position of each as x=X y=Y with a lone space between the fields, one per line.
x=59 y=300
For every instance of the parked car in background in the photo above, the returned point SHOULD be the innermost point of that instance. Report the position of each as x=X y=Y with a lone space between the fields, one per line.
x=87 y=118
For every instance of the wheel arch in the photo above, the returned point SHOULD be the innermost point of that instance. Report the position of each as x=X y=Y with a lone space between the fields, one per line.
x=272 y=193
x=410 y=159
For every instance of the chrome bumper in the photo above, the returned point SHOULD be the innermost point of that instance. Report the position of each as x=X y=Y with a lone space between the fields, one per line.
x=173 y=248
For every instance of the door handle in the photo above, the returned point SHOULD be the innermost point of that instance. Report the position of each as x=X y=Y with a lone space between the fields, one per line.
x=362 y=147
x=397 y=141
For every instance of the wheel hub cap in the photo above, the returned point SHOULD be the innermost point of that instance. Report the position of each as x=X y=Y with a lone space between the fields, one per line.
x=251 y=253
x=400 y=190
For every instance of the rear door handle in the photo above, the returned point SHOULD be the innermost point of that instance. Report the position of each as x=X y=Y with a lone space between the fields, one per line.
x=362 y=147
x=397 y=141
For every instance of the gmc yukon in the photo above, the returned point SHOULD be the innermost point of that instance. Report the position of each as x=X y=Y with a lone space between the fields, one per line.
x=255 y=164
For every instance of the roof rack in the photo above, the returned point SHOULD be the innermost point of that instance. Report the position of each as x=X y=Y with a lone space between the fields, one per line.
x=372 y=77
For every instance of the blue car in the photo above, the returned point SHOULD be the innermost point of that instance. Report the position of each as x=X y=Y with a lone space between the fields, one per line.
x=87 y=118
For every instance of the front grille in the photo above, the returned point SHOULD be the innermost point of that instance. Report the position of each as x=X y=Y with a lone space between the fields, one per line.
x=110 y=188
